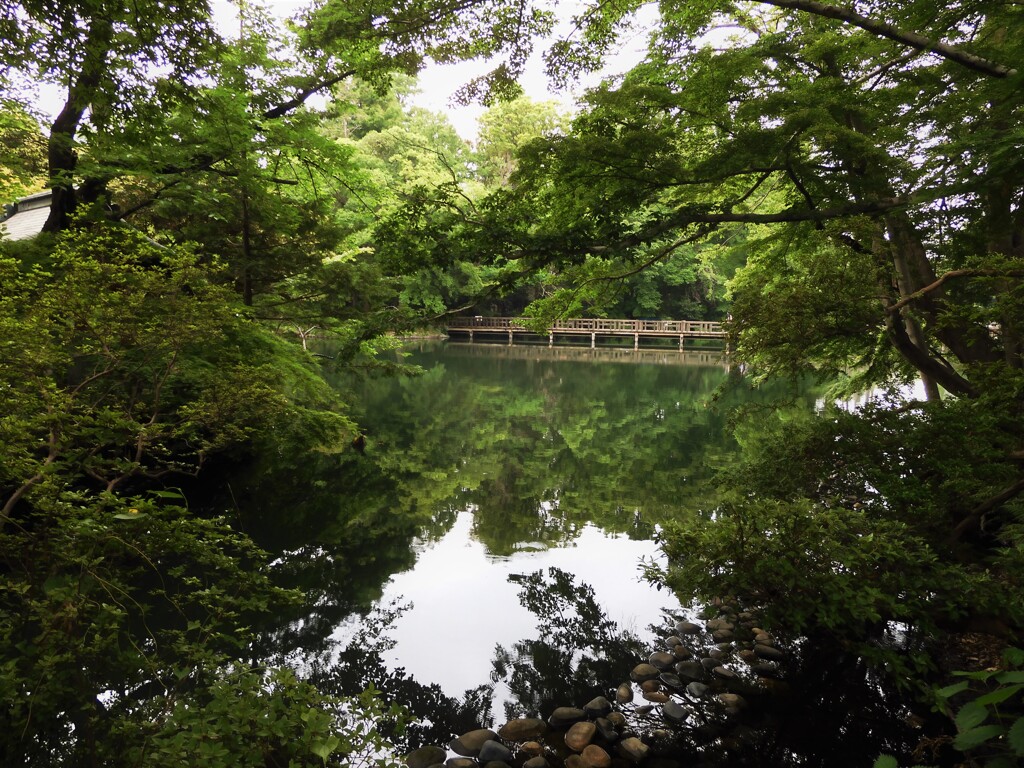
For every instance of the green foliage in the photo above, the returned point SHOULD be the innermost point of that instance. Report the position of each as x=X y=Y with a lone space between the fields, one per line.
x=506 y=127
x=126 y=366
x=253 y=717
x=22 y=152
x=989 y=713
x=837 y=525
x=124 y=361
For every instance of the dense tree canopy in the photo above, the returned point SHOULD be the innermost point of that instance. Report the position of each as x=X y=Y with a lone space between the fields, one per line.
x=848 y=178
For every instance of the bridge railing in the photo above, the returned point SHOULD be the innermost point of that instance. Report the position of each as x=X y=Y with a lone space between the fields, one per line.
x=596 y=325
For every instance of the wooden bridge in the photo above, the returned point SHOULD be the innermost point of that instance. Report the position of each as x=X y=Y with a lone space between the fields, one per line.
x=595 y=328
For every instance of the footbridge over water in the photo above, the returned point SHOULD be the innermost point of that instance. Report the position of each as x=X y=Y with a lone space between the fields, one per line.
x=515 y=328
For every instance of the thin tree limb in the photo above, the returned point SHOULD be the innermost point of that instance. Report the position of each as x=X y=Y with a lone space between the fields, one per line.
x=952 y=274
x=912 y=39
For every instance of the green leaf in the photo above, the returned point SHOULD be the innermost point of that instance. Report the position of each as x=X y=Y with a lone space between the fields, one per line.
x=1012 y=676
x=132 y=514
x=998 y=695
x=952 y=690
x=1016 y=737
x=323 y=749
x=970 y=715
x=886 y=761
x=977 y=736
x=167 y=494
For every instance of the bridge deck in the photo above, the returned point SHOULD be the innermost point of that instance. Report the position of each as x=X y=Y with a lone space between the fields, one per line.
x=592 y=327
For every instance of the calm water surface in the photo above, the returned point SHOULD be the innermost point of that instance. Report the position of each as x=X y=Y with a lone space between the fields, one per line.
x=481 y=559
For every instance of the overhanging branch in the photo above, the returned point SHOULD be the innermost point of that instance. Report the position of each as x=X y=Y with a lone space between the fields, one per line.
x=951 y=275
x=912 y=39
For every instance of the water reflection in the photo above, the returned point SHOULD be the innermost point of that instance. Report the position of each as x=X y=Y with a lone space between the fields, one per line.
x=576 y=654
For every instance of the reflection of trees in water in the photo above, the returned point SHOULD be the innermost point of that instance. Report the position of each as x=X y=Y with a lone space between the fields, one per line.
x=829 y=709
x=578 y=654
x=360 y=665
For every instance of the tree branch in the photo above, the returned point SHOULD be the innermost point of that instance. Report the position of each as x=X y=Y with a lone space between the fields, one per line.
x=973 y=519
x=953 y=273
x=294 y=103
x=912 y=39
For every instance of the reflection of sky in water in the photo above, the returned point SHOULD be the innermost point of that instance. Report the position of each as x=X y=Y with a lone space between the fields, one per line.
x=463 y=604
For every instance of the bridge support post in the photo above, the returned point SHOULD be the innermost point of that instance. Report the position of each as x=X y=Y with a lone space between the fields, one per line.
x=636 y=341
x=551 y=338
x=471 y=335
x=510 y=337
x=593 y=340
x=680 y=342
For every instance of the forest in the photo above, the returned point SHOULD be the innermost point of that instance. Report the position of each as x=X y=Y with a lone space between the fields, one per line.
x=842 y=184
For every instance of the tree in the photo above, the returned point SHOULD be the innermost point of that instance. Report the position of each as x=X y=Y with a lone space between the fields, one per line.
x=121 y=69
x=506 y=127
x=864 y=163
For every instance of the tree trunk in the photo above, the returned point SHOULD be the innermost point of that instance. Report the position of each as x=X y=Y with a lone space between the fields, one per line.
x=61 y=156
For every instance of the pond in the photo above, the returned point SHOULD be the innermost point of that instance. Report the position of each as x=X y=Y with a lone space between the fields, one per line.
x=481 y=558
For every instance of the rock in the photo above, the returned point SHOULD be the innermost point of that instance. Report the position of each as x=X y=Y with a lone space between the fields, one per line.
x=424 y=757
x=595 y=757
x=687 y=628
x=768 y=652
x=605 y=730
x=716 y=653
x=732 y=701
x=725 y=673
x=647 y=686
x=624 y=693
x=644 y=709
x=682 y=652
x=536 y=762
x=656 y=696
x=722 y=635
x=495 y=751
x=748 y=656
x=662 y=660
x=574 y=761
x=496 y=764
x=720 y=624
x=532 y=748
x=599 y=706
x=673 y=641
x=461 y=762
x=766 y=670
x=764 y=638
x=563 y=717
x=522 y=729
x=643 y=672
x=690 y=670
x=468 y=744
x=579 y=736
x=633 y=749
x=674 y=712
x=709 y=663
x=696 y=689
x=672 y=681
x=617 y=719
x=745 y=615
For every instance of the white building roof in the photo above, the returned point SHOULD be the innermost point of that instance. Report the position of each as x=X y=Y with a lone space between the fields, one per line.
x=29 y=215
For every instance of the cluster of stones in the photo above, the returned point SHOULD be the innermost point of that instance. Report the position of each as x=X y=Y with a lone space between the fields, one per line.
x=593 y=736
x=722 y=661
x=726 y=659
